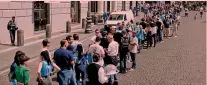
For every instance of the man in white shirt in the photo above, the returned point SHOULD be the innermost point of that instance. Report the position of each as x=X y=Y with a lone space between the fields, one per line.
x=112 y=52
x=113 y=47
x=133 y=49
x=97 y=48
x=97 y=34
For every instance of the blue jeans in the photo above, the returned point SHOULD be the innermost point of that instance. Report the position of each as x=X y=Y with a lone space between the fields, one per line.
x=115 y=78
x=14 y=81
x=159 y=35
x=81 y=70
x=133 y=56
x=140 y=44
x=66 y=76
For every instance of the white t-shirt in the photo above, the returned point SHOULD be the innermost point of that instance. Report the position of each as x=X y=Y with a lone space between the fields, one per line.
x=93 y=39
x=154 y=30
x=132 y=41
x=113 y=48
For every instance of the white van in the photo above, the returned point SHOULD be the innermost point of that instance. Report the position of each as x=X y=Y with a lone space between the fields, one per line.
x=120 y=16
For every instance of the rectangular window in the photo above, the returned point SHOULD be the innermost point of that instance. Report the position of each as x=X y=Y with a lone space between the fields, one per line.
x=108 y=6
x=94 y=6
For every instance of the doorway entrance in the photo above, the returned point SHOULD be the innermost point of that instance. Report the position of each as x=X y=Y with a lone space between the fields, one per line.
x=75 y=12
x=41 y=15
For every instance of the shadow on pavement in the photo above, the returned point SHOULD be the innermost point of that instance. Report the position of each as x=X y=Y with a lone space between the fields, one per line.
x=6 y=44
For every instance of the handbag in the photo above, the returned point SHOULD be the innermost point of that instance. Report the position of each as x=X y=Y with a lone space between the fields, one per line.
x=114 y=60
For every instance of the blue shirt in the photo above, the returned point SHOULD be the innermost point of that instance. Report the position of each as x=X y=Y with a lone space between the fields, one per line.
x=63 y=57
x=12 y=69
x=46 y=69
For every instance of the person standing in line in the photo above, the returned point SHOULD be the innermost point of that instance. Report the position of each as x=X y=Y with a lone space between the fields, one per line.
x=46 y=45
x=11 y=74
x=45 y=64
x=140 y=36
x=21 y=71
x=159 y=30
x=97 y=34
x=149 y=35
x=75 y=42
x=112 y=52
x=70 y=41
x=96 y=73
x=12 y=27
x=154 y=34
x=175 y=27
x=97 y=48
x=64 y=59
x=80 y=66
x=104 y=42
x=123 y=52
x=167 y=27
x=133 y=45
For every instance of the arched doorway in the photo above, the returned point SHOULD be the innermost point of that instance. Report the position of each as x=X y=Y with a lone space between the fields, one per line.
x=75 y=11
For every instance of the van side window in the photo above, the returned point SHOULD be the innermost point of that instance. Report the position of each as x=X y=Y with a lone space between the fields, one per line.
x=120 y=17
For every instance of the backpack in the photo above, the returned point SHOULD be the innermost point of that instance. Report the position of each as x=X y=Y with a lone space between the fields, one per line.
x=125 y=42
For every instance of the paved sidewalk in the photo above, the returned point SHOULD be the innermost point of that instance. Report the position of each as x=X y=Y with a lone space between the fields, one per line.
x=38 y=36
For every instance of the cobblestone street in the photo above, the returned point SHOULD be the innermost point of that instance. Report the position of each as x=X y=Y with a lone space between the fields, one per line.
x=176 y=61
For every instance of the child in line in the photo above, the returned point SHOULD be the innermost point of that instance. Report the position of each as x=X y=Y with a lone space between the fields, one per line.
x=21 y=71
x=11 y=74
x=44 y=69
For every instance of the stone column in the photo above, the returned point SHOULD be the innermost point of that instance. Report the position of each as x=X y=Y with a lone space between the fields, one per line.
x=114 y=5
x=100 y=10
x=100 y=7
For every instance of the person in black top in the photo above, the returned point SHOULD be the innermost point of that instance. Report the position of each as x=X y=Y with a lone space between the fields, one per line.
x=104 y=41
x=159 y=30
x=143 y=23
x=96 y=74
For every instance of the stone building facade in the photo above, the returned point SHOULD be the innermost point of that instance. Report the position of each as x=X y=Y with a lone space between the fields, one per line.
x=32 y=16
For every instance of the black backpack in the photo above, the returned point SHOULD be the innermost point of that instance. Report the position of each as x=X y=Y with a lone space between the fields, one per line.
x=125 y=42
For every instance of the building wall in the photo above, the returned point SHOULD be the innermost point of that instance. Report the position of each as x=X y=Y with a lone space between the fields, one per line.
x=127 y=5
x=59 y=14
x=119 y=5
x=23 y=13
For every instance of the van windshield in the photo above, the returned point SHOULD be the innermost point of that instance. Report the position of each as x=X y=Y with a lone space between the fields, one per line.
x=116 y=17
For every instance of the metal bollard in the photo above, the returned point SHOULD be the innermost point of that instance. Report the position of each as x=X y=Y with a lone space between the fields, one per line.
x=68 y=27
x=83 y=23
x=48 y=31
x=20 y=37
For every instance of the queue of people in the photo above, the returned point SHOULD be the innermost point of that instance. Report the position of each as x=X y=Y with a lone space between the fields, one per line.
x=107 y=55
